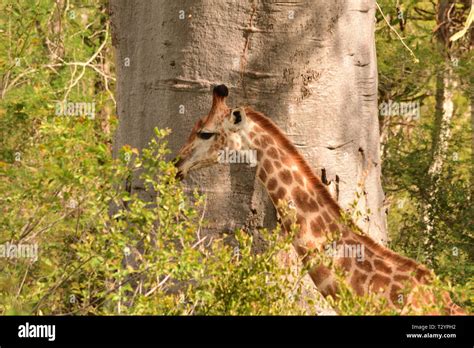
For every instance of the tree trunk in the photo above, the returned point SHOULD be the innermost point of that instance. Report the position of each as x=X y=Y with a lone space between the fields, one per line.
x=309 y=65
x=445 y=86
x=440 y=141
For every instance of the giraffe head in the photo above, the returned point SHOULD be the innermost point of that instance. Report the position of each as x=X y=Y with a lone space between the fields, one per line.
x=222 y=129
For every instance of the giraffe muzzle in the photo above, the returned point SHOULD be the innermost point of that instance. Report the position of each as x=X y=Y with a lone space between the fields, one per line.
x=178 y=163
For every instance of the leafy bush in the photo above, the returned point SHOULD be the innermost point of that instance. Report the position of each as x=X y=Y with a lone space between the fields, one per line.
x=147 y=257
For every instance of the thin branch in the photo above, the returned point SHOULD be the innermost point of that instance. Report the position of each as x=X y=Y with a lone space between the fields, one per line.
x=469 y=21
x=160 y=284
x=198 y=232
x=416 y=60
x=22 y=282
x=86 y=64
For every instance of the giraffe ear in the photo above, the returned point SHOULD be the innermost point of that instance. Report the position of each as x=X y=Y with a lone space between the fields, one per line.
x=238 y=116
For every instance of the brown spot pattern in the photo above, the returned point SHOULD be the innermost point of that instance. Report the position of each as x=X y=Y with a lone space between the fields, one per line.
x=302 y=200
x=262 y=175
x=268 y=166
x=272 y=184
x=379 y=281
x=272 y=153
x=365 y=265
x=280 y=194
x=263 y=144
x=317 y=226
x=267 y=139
x=395 y=291
x=326 y=216
x=346 y=264
x=382 y=266
x=333 y=227
x=357 y=282
x=319 y=274
x=320 y=200
x=285 y=176
x=422 y=275
x=301 y=221
x=400 y=278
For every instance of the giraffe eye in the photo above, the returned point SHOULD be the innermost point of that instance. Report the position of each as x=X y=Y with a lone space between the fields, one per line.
x=205 y=135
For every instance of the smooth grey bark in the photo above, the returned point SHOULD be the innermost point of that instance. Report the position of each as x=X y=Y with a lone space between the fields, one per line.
x=445 y=86
x=440 y=141
x=309 y=65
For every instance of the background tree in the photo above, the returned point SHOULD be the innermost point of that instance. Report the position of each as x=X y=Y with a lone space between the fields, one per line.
x=303 y=64
x=427 y=161
x=449 y=20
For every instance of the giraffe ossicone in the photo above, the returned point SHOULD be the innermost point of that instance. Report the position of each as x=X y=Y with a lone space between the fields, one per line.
x=288 y=178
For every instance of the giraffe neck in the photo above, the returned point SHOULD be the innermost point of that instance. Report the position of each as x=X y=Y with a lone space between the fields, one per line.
x=289 y=178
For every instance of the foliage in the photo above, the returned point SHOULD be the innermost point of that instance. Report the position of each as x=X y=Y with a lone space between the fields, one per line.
x=408 y=143
x=103 y=250
x=145 y=258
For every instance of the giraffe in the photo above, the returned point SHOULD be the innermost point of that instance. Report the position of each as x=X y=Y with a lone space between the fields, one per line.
x=287 y=177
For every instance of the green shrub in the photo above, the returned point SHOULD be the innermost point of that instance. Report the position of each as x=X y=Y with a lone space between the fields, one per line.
x=147 y=257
